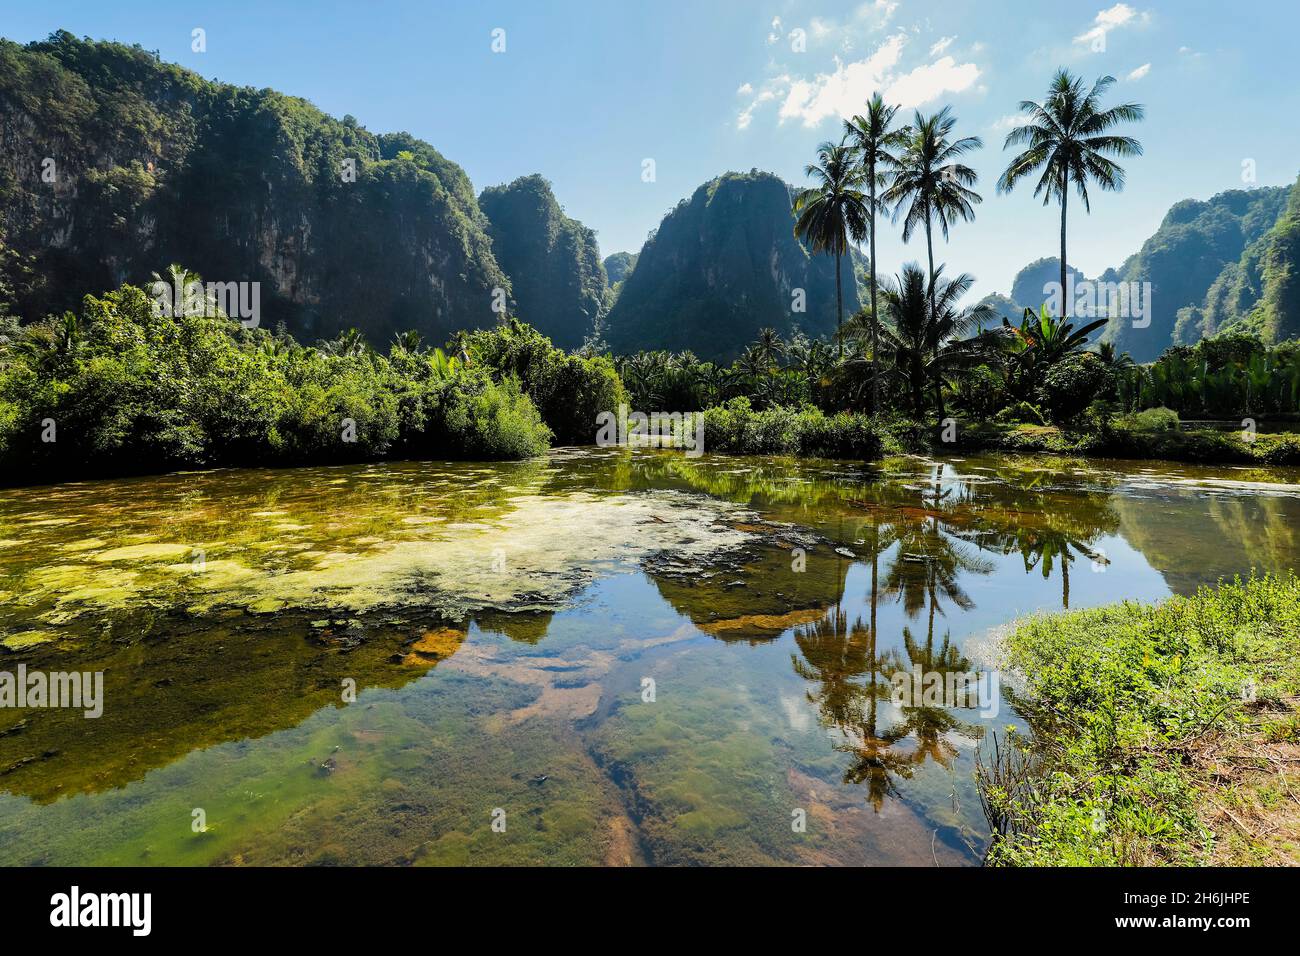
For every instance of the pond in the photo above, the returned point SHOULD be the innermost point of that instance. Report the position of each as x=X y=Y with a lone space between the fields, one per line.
x=601 y=657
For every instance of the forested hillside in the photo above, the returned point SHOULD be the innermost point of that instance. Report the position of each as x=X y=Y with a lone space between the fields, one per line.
x=114 y=164
x=553 y=261
x=722 y=265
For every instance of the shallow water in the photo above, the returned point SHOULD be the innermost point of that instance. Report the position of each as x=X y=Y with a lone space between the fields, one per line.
x=506 y=626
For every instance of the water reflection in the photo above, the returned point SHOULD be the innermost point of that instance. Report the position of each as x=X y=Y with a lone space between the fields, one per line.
x=774 y=599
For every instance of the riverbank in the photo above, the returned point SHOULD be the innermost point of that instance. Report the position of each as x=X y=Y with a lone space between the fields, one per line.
x=737 y=428
x=1195 y=446
x=1161 y=735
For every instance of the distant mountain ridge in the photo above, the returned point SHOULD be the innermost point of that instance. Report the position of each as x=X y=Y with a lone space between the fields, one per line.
x=1196 y=242
x=1229 y=263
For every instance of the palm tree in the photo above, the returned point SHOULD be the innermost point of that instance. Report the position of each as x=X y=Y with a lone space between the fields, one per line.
x=1067 y=135
x=349 y=343
x=1047 y=340
x=875 y=143
x=832 y=212
x=408 y=341
x=751 y=365
x=930 y=181
x=930 y=334
x=770 y=345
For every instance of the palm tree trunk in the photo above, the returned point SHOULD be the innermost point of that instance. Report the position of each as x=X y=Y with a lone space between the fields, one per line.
x=1065 y=196
x=929 y=251
x=918 y=388
x=875 y=318
x=839 y=305
x=1065 y=580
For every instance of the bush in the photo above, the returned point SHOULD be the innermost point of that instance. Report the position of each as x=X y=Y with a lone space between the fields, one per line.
x=1021 y=413
x=569 y=390
x=736 y=428
x=1149 y=420
x=484 y=420
x=1071 y=385
x=128 y=390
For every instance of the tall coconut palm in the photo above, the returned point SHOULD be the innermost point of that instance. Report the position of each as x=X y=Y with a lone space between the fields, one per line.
x=930 y=183
x=833 y=212
x=876 y=146
x=1068 y=138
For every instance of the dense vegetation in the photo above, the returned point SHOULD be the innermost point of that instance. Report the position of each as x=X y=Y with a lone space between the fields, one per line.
x=122 y=386
x=552 y=260
x=747 y=259
x=1144 y=720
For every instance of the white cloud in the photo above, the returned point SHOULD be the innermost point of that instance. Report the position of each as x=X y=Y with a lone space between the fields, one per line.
x=1120 y=15
x=746 y=115
x=775 y=33
x=745 y=89
x=867 y=18
x=1140 y=72
x=842 y=91
x=931 y=81
x=941 y=45
x=1009 y=122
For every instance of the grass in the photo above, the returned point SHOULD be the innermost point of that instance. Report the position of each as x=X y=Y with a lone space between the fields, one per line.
x=1125 y=439
x=1162 y=734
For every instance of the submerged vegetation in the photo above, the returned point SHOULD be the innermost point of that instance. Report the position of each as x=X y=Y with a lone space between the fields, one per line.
x=1150 y=727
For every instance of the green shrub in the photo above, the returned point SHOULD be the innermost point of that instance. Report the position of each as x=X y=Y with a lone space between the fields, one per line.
x=569 y=390
x=485 y=420
x=1021 y=413
x=1149 y=420
x=128 y=390
x=737 y=429
x=1071 y=385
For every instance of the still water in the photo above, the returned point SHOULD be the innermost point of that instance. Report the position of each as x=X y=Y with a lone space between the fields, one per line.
x=600 y=657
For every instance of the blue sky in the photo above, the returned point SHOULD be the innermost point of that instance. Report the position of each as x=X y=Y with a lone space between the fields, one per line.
x=585 y=91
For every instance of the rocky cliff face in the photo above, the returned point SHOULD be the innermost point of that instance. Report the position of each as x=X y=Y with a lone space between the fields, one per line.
x=1195 y=243
x=553 y=261
x=722 y=265
x=114 y=164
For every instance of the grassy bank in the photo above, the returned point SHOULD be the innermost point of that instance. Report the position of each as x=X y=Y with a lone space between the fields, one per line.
x=1121 y=439
x=1161 y=734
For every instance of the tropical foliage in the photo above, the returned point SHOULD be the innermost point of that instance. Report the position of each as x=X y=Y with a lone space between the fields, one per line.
x=121 y=387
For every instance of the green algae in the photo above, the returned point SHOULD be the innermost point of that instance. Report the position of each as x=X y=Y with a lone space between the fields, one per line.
x=498 y=624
